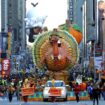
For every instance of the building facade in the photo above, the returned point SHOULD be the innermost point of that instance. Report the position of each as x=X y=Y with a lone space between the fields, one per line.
x=0 y=15
x=101 y=29
x=85 y=14
x=12 y=19
x=16 y=16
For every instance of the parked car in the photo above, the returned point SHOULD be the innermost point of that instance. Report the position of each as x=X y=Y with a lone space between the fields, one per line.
x=58 y=89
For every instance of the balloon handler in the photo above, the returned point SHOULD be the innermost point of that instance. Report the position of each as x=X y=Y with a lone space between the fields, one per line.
x=27 y=90
x=11 y=90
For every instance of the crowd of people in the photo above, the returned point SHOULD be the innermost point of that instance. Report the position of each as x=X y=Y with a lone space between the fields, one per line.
x=12 y=86
x=96 y=90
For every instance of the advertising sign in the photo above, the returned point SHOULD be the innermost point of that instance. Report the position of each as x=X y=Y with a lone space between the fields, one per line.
x=5 y=67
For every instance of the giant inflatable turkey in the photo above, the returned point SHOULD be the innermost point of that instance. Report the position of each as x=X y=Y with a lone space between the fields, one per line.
x=56 y=50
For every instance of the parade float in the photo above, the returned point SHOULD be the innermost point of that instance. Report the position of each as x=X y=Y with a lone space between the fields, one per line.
x=57 y=51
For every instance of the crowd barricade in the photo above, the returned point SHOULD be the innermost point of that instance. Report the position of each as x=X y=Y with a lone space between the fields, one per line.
x=38 y=96
x=83 y=95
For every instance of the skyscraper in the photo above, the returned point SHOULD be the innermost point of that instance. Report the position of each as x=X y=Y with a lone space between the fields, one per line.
x=13 y=14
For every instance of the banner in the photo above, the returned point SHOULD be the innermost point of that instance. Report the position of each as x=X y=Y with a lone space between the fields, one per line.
x=5 y=67
x=27 y=91
x=55 y=92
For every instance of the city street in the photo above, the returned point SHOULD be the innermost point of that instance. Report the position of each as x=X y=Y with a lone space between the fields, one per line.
x=52 y=52
x=15 y=102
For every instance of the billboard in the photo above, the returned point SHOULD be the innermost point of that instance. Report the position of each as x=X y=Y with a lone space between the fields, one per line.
x=5 y=71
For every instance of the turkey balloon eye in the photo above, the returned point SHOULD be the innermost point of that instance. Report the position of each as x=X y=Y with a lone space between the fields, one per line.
x=59 y=44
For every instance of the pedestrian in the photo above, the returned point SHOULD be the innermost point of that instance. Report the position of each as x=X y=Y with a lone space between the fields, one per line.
x=77 y=91
x=95 y=95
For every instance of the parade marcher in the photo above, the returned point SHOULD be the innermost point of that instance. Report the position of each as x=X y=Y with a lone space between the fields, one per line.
x=103 y=91
x=99 y=92
x=18 y=92
x=10 y=92
x=71 y=85
x=95 y=95
x=90 y=90
x=26 y=84
x=77 y=91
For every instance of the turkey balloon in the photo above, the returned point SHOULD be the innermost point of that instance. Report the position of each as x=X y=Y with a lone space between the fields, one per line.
x=56 y=50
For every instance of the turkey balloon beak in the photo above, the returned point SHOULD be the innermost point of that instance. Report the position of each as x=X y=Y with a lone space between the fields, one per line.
x=56 y=57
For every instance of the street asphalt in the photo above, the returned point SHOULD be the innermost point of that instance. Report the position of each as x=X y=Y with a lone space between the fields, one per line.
x=15 y=102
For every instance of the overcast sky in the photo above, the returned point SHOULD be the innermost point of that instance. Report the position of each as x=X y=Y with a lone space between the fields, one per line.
x=55 y=10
